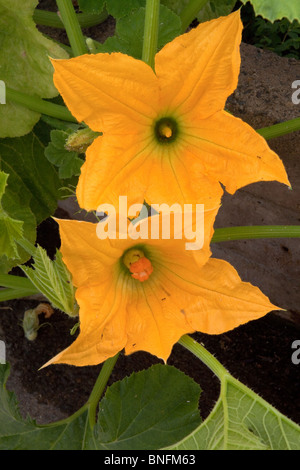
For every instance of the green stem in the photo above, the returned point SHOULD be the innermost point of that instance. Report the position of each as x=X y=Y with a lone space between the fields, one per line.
x=99 y=387
x=255 y=232
x=73 y=29
x=189 y=13
x=201 y=353
x=18 y=293
x=50 y=18
x=92 y=403
x=39 y=105
x=280 y=129
x=151 y=32
x=15 y=282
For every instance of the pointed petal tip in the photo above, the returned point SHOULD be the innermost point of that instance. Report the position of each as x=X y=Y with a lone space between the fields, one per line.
x=46 y=364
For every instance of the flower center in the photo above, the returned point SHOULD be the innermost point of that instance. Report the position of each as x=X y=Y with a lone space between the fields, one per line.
x=166 y=130
x=139 y=266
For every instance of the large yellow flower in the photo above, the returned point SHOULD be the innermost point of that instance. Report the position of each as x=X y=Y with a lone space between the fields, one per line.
x=166 y=137
x=146 y=294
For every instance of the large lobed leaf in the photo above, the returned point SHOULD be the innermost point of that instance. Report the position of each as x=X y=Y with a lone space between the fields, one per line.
x=25 y=64
x=32 y=189
x=274 y=10
x=242 y=420
x=149 y=409
x=215 y=8
x=129 y=33
x=10 y=229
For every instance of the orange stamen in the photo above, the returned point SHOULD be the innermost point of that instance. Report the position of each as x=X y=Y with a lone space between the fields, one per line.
x=141 y=269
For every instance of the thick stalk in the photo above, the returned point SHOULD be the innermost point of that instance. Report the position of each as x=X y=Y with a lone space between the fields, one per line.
x=72 y=27
x=151 y=32
x=201 y=353
x=189 y=13
x=99 y=387
x=19 y=293
x=15 y=282
x=255 y=232
x=39 y=105
x=280 y=129
x=50 y=18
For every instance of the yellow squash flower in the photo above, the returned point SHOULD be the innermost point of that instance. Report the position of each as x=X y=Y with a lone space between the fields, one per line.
x=166 y=137
x=144 y=295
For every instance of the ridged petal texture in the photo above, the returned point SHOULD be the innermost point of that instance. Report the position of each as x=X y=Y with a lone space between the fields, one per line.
x=123 y=98
x=186 y=292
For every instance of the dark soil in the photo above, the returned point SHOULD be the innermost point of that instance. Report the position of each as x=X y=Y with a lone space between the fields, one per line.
x=258 y=353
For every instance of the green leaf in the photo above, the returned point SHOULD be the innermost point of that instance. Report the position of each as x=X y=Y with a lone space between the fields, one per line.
x=175 y=5
x=32 y=189
x=24 y=160
x=156 y=406
x=215 y=8
x=25 y=64
x=91 y=6
x=10 y=229
x=242 y=420
x=130 y=31
x=68 y=162
x=17 y=433
x=119 y=9
x=148 y=410
x=53 y=280
x=276 y=9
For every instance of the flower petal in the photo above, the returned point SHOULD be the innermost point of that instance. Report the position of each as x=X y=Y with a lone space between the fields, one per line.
x=201 y=68
x=110 y=171
x=102 y=325
x=106 y=90
x=154 y=322
x=232 y=152
x=214 y=298
x=88 y=258
x=141 y=170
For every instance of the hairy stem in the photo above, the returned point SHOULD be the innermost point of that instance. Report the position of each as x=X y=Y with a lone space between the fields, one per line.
x=280 y=129
x=50 y=18
x=99 y=387
x=73 y=29
x=255 y=232
x=206 y=357
x=39 y=105
x=151 y=32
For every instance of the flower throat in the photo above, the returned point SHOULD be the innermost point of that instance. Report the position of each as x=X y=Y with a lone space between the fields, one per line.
x=139 y=266
x=166 y=130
